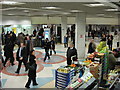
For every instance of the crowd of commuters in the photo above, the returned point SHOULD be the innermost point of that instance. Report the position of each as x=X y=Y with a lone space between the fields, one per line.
x=26 y=54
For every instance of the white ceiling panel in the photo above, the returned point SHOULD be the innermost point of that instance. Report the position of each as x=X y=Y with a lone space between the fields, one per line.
x=36 y=8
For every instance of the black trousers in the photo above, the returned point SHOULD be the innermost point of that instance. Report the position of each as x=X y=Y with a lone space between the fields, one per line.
x=19 y=65
x=51 y=51
x=47 y=54
x=65 y=45
x=33 y=79
x=110 y=46
x=69 y=61
x=2 y=60
x=11 y=60
x=118 y=44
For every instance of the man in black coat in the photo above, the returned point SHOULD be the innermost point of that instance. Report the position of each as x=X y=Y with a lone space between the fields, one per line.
x=8 y=53
x=110 y=42
x=47 y=46
x=71 y=51
x=13 y=37
x=28 y=46
x=21 y=57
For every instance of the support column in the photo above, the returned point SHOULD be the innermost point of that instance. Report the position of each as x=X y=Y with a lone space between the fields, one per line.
x=119 y=19
x=80 y=34
x=63 y=27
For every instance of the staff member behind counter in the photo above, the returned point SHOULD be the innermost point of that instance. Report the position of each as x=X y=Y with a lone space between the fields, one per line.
x=71 y=51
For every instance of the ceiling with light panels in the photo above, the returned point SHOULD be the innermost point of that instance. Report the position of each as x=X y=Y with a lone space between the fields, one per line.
x=34 y=9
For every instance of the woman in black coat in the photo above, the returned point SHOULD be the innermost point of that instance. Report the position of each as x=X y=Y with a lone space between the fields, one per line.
x=32 y=66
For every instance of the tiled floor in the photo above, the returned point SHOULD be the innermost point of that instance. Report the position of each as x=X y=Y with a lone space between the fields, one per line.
x=45 y=78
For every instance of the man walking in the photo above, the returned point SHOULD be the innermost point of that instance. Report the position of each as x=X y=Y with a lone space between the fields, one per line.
x=21 y=57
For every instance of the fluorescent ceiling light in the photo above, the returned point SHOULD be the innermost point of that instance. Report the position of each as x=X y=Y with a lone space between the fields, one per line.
x=50 y=8
x=10 y=2
x=26 y=11
x=19 y=8
x=45 y=14
x=108 y=16
x=9 y=8
x=111 y=9
x=10 y=14
x=94 y=5
x=100 y=14
x=75 y=11
x=66 y=13
x=34 y=9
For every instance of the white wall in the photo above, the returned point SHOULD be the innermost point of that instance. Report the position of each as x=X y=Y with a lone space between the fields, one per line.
x=110 y=21
x=53 y=20
x=71 y=20
x=15 y=20
x=46 y=20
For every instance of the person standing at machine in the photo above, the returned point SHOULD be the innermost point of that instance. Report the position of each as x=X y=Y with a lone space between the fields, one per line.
x=21 y=57
x=32 y=66
x=47 y=46
x=52 y=46
x=71 y=51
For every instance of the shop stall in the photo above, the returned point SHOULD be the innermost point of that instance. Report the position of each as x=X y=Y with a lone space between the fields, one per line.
x=97 y=71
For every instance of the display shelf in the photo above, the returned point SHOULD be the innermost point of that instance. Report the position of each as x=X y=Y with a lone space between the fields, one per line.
x=95 y=87
x=114 y=82
x=63 y=79
x=77 y=84
x=85 y=85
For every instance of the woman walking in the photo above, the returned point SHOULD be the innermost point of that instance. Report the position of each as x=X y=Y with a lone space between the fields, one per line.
x=32 y=66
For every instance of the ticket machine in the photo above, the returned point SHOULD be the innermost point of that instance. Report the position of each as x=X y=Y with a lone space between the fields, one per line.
x=47 y=33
